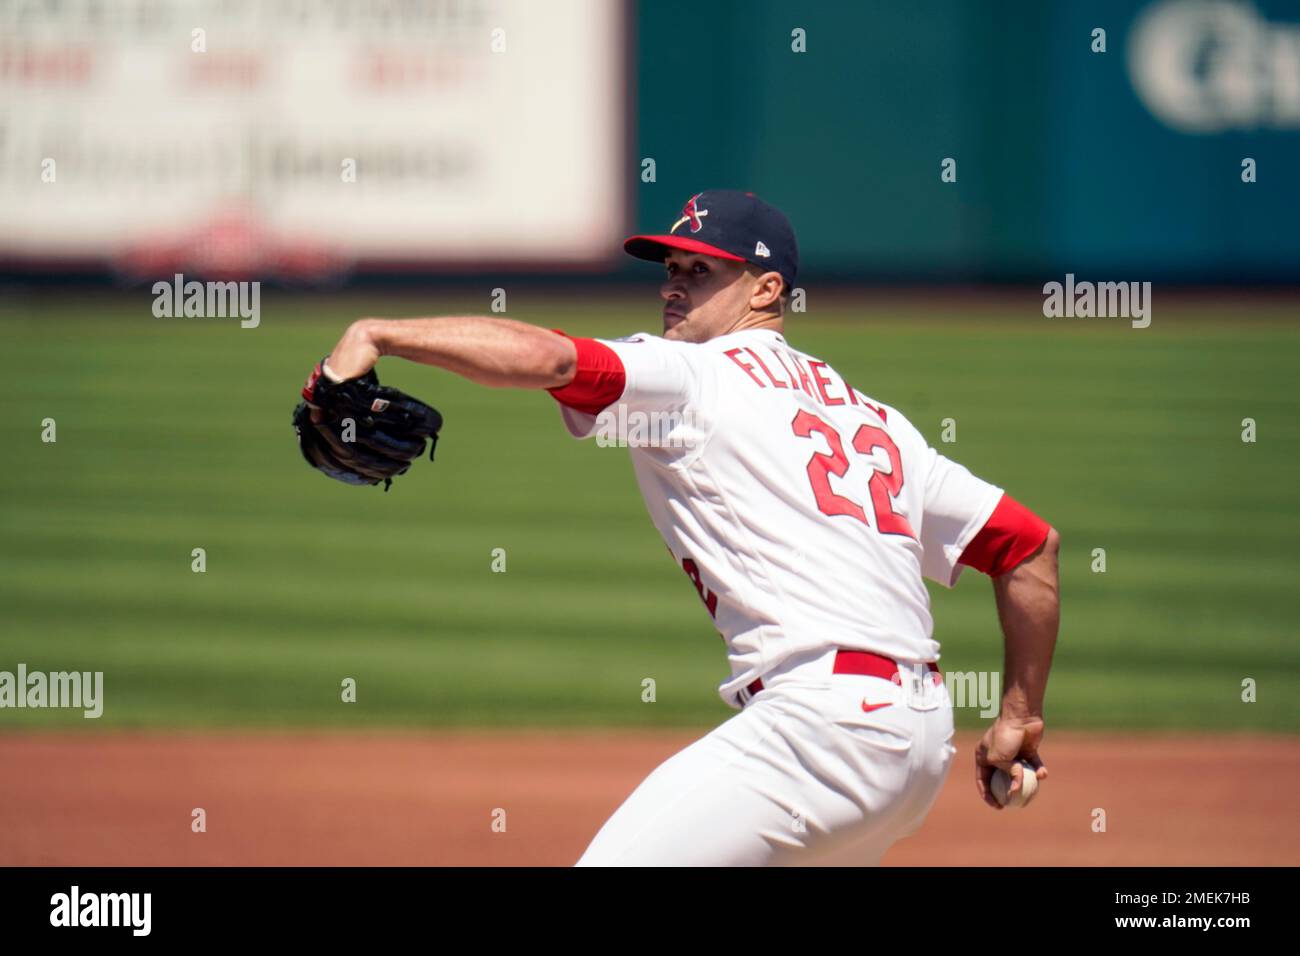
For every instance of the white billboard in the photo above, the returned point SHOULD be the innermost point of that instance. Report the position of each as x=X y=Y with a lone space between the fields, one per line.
x=296 y=137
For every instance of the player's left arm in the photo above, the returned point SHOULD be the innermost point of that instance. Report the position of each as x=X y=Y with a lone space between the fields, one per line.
x=498 y=352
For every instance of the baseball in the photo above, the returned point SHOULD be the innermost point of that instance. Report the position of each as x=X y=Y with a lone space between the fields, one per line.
x=1002 y=786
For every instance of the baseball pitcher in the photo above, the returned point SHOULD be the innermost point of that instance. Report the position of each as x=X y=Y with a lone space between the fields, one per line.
x=805 y=514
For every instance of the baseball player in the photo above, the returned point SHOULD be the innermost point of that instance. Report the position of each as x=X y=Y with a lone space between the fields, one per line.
x=805 y=514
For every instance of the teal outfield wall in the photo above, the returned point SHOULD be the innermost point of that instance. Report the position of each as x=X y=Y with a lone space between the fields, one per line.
x=1123 y=164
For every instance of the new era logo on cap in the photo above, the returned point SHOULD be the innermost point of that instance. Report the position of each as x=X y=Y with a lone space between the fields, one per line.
x=731 y=225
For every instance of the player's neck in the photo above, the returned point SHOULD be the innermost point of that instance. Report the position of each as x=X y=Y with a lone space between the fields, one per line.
x=758 y=320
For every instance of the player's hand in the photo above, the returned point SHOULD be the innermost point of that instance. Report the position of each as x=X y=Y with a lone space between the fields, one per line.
x=1008 y=739
x=356 y=353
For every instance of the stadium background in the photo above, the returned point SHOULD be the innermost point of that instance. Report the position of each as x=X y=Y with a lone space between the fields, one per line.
x=174 y=434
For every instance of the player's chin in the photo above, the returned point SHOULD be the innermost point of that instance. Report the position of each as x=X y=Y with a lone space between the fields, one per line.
x=675 y=327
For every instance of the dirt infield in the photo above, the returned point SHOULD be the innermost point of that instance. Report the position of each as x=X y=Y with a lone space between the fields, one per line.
x=421 y=800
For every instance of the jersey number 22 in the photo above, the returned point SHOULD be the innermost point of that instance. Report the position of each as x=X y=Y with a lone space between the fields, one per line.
x=883 y=486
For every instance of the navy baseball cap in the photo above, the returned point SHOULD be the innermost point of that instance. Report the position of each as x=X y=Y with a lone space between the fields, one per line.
x=730 y=225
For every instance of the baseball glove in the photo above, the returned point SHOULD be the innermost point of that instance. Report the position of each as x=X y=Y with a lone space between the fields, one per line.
x=360 y=432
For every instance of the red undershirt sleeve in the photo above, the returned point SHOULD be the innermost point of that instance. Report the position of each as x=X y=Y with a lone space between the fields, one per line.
x=598 y=379
x=1011 y=534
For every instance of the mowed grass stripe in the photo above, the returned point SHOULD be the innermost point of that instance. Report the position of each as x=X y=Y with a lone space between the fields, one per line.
x=174 y=435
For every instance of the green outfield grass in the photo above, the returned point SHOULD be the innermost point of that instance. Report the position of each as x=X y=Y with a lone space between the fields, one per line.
x=174 y=434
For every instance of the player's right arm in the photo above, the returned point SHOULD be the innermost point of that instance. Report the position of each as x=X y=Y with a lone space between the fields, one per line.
x=1019 y=551
x=971 y=523
x=491 y=351
x=1029 y=610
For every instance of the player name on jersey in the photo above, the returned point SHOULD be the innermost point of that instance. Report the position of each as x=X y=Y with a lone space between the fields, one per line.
x=792 y=373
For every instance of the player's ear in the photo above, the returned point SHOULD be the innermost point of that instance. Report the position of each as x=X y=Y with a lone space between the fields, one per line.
x=767 y=291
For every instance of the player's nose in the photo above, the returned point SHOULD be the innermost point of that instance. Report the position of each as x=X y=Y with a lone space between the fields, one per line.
x=671 y=289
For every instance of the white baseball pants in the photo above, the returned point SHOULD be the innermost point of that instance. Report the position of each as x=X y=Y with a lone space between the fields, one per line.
x=804 y=774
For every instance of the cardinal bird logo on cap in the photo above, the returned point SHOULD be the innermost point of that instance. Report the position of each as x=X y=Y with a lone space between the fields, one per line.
x=691 y=214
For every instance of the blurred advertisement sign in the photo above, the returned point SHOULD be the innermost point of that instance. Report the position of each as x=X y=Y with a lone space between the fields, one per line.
x=1203 y=66
x=301 y=138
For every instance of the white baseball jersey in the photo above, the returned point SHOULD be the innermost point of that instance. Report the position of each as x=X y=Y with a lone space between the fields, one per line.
x=804 y=512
